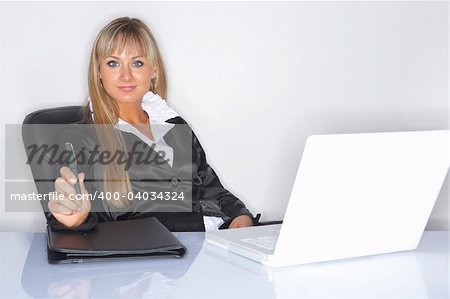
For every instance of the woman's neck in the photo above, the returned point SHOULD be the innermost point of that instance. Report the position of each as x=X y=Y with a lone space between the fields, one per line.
x=133 y=114
x=137 y=117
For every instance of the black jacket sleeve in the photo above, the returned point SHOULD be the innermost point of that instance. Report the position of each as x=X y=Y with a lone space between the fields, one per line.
x=215 y=199
x=90 y=222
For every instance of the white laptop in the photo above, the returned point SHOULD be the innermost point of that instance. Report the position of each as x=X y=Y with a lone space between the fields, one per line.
x=354 y=195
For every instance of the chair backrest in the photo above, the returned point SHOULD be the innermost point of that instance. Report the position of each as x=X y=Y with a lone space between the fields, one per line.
x=35 y=133
x=60 y=115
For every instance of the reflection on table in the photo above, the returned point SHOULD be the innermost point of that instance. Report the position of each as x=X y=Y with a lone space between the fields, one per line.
x=209 y=272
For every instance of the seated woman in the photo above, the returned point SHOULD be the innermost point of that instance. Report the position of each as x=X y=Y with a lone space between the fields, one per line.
x=127 y=87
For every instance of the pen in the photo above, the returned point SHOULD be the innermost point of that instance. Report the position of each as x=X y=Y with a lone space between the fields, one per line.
x=73 y=164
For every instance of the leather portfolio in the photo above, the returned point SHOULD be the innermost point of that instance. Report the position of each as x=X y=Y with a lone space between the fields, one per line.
x=140 y=238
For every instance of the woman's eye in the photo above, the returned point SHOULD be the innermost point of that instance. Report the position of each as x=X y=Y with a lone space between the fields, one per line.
x=112 y=63
x=137 y=63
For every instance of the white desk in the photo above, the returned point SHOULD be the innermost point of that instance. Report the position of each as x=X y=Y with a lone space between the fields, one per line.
x=206 y=272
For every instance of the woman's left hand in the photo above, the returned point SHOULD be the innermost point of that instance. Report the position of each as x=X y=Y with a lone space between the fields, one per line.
x=241 y=221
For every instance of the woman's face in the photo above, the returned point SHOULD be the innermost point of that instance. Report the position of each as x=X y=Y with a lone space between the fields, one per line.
x=126 y=76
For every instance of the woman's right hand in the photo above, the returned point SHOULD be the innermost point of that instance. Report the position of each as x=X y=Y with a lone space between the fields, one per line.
x=64 y=206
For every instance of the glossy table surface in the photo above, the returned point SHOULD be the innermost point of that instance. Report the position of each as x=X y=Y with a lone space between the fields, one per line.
x=208 y=272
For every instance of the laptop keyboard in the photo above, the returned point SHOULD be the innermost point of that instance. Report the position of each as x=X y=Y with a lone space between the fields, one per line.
x=267 y=242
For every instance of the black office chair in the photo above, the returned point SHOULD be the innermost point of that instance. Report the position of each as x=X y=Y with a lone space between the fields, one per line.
x=35 y=133
x=60 y=115
x=45 y=175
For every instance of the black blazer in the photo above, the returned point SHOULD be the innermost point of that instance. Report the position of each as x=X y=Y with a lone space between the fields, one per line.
x=190 y=175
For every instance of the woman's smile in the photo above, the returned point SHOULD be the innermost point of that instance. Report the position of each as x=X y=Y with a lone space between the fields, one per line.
x=127 y=88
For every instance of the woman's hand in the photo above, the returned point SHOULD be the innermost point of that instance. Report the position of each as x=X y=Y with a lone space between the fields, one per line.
x=65 y=206
x=241 y=221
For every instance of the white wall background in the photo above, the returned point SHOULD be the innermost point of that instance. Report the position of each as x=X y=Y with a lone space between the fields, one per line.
x=253 y=79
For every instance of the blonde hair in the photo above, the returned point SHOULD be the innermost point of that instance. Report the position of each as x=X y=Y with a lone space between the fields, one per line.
x=122 y=34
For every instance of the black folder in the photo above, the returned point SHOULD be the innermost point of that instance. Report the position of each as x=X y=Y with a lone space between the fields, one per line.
x=140 y=238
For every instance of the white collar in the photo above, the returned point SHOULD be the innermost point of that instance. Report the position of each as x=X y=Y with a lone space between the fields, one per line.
x=156 y=108
x=158 y=112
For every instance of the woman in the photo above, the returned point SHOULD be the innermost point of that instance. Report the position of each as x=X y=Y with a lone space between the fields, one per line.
x=127 y=86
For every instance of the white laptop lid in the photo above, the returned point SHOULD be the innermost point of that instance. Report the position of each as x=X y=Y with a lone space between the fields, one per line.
x=362 y=194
